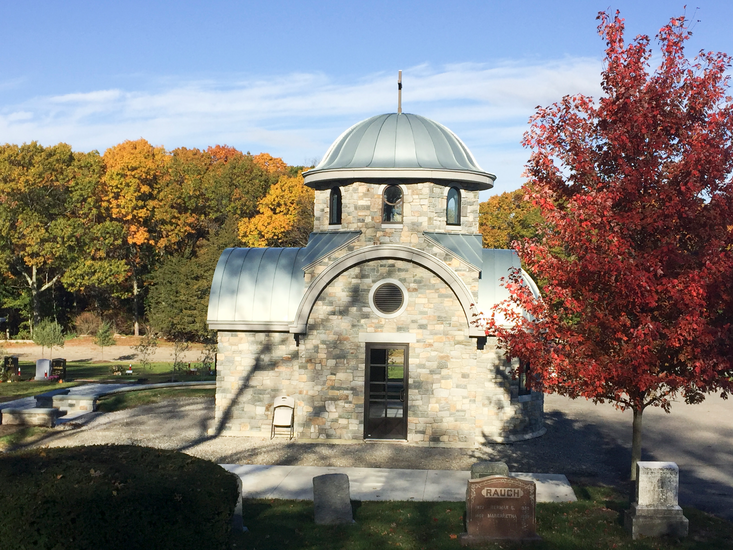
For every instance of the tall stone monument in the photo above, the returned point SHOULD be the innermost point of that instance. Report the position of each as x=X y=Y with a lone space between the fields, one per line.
x=656 y=512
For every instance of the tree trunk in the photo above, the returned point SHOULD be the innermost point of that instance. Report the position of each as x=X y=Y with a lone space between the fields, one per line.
x=636 y=441
x=135 y=299
x=33 y=284
x=32 y=281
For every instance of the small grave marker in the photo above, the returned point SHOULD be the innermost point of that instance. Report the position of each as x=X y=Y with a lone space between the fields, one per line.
x=656 y=512
x=332 y=499
x=486 y=469
x=499 y=508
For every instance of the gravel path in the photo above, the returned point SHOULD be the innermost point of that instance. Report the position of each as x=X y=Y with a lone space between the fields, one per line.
x=83 y=349
x=182 y=424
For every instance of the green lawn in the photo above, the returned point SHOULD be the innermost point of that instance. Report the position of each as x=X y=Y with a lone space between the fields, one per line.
x=592 y=522
x=79 y=371
x=129 y=400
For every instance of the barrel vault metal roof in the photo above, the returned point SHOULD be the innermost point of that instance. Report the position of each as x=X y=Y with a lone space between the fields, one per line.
x=400 y=145
x=498 y=266
x=261 y=288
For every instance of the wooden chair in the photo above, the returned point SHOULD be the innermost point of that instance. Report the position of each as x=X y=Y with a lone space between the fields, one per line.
x=283 y=415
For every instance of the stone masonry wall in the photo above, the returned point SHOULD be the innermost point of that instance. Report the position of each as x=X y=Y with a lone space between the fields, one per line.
x=457 y=395
x=423 y=210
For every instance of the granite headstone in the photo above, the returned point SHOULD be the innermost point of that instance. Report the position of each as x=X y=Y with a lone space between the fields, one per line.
x=43 y=368
x=332 y=499
x=499 y=508
x=656 y=512
x=487 y=468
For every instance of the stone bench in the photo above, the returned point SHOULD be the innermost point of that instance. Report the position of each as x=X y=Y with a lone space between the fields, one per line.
x=45 y=400
x=69 y=402
x=31 y=417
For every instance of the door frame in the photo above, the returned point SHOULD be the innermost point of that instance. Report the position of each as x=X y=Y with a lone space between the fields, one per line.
x=406 y=386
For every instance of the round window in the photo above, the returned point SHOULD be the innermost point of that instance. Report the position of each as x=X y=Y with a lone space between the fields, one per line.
x=388 y=298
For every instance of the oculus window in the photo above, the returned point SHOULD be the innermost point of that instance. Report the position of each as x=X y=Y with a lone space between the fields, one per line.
x=388 y=298
x=334 y=207
x=392 y=204
x=453 y=207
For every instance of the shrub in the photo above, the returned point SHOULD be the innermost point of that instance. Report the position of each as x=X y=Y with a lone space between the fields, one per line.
x=146 y=348
x=114 y=497
x=104 y=336
x=48 y=334
x=121 y=322
x=87 y=323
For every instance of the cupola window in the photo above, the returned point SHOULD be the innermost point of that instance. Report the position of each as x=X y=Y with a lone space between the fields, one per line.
x=334 y=207
x=453 y=207
x=392 y=204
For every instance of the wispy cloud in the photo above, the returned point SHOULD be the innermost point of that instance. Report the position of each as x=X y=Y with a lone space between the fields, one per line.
x=297 y=116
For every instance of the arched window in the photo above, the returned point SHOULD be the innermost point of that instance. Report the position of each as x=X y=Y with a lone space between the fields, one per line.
x=392 y=204
x=453 y=207
x=334 y=207
x=523 y=378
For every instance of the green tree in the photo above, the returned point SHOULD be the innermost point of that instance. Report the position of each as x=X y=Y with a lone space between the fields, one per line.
x=97 y=267
x=104 y=337
x=36 y=233
x=146 y=348
x=506 y=218
x=235 y=183
x=178 y=299
x=48 y=334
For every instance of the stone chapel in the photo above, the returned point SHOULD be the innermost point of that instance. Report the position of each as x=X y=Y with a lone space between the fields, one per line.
x=368 y=327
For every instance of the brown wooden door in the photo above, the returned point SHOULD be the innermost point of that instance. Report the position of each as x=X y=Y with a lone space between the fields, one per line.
x=386 y=391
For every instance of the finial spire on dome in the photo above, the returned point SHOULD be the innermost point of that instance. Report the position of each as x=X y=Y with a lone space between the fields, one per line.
x=399 y=93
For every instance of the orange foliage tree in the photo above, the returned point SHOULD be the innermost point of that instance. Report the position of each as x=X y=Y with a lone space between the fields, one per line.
x=285 y=216
x=133 y=172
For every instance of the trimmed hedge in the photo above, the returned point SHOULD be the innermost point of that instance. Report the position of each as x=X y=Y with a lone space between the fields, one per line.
x=112 y=497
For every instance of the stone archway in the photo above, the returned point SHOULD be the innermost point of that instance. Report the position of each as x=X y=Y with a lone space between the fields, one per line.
x=379 y=252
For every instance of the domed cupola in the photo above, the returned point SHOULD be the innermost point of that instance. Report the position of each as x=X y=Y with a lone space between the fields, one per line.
x=399 y=146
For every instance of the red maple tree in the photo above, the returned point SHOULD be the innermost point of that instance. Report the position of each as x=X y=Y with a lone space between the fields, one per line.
x=635 y=255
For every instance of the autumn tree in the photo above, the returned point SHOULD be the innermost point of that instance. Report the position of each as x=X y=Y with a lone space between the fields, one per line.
x=98 y=268
x=271 y=164
x=133 y=171
x=637 y=244
x=285 y=216
x=506 y=218
x=36 y=235
x=235 y=183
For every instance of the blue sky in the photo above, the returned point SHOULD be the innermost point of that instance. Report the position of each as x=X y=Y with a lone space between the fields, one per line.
x=288 y=77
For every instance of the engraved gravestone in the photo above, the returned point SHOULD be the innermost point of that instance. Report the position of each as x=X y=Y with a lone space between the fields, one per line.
x=656 y=512
x=499 y=508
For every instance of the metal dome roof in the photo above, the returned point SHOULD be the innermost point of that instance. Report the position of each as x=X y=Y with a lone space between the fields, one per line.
x=403 y=146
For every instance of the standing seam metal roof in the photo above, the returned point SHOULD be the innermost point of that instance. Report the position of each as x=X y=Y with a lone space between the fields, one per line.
x=265 y=285
x=405 y=142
